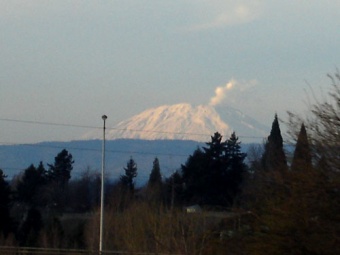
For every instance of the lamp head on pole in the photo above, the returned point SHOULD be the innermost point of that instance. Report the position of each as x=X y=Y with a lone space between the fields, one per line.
x=104 y=117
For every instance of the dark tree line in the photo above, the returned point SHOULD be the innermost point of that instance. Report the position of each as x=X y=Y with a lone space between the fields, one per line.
x=213 y=176
x=31 y=195
x=40 y=187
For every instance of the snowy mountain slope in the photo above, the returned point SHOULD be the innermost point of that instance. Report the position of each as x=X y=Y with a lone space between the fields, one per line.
x=245 y=126
x=185 y=122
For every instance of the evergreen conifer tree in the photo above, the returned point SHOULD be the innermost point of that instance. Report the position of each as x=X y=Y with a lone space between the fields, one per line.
x=58 y=176
x=194 y=174
x=205 y=173
x=215 y=149
x=216 y=172
x=155 y=178
x=41 y=170
x=127 y=180
x=236 y=167
x=213 y=176
x=302 y=158
x=274 y=157
x=29 y=187
x=60 y=171
x=155 y=184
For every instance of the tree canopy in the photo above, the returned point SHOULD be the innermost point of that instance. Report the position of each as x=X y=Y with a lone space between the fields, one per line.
x=213 y=175
x=29 y=187
x=127 y=180
x=60 y=171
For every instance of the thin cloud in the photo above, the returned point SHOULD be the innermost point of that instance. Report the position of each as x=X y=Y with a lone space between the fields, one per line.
x=227 y=13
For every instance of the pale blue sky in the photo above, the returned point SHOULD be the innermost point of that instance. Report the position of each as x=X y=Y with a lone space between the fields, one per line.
x=72 y=61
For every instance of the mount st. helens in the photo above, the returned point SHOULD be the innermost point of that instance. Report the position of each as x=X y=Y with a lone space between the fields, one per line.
x=186 y=122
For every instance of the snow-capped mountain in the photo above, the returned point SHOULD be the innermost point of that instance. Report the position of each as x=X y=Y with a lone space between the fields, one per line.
x=185 y=122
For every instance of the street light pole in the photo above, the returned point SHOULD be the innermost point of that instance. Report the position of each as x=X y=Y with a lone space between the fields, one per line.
x=104 y=117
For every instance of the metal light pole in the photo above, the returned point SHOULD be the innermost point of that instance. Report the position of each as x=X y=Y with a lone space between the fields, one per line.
x=104 y=117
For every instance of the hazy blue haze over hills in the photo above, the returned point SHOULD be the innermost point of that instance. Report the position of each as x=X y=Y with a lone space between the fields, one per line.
x=88 y=153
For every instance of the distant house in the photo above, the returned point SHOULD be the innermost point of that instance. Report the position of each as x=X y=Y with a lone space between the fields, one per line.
x=193 y=209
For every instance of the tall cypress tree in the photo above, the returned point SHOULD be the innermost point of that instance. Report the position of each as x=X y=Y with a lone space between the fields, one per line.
x=154 y=186
x=155 y=178
x=274 y=157
x=302 y=158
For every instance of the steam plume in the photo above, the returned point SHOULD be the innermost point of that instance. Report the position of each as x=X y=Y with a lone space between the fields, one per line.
x=221 y=93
